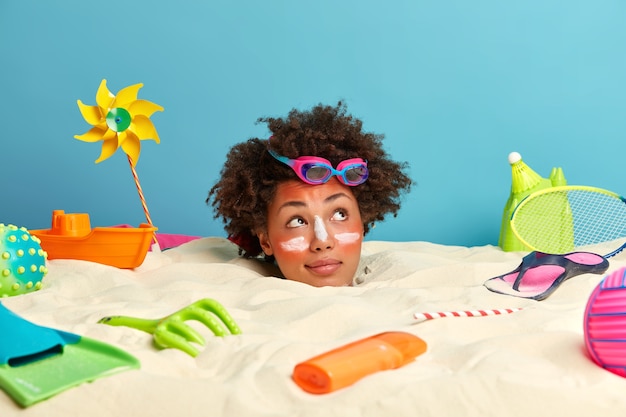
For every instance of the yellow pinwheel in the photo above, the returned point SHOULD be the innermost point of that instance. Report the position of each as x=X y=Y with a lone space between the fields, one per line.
x=119 y=121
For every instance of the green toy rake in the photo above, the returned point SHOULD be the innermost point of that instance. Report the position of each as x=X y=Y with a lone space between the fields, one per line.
x=172 y=331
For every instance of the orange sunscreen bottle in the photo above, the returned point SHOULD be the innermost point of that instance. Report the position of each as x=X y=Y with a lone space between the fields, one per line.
x=347 y=364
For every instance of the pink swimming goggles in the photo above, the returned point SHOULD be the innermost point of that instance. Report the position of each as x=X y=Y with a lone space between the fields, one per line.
x=315 y=170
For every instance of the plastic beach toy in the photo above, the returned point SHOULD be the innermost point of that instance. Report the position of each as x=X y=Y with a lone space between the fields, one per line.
x=22 y=261
x=71 y=237
x=524 y=181
x=121 y=121
x=347 y=364
x=172 y=331
x=605 y=323
x=39 y=362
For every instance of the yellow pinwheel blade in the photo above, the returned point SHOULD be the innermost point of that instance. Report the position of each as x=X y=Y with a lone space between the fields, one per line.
x=92 y=114
x=109 y=147
x=144 y=129
x=110 y=134
x=143 y=108
x=104 y=97
x=132 y=147
x=121 y=137
x=93 y=135
x=127 y=95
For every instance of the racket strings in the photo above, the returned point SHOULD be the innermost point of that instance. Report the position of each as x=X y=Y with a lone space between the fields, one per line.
x=561 y=221
x=597 y=217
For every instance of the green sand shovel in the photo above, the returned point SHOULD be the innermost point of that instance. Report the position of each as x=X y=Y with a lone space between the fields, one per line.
x=38 y=362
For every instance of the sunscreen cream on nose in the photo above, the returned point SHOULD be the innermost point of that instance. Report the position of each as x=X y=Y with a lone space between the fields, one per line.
x=320 y=229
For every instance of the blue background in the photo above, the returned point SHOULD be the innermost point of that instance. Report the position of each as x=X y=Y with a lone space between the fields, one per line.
x=455 y=86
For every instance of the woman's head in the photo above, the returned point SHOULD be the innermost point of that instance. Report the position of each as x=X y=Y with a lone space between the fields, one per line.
x=254 y=184
x=314 y=232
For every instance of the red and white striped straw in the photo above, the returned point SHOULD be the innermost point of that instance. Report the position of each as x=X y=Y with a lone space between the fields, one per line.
x=464 y=313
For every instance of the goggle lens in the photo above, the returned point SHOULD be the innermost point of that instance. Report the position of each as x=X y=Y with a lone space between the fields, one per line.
x=356 y=175
x=315 y=173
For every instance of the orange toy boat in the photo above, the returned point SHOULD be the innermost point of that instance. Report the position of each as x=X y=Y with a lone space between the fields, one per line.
x=71 y=237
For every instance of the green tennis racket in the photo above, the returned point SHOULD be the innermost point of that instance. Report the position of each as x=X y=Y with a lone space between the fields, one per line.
x=563 y=219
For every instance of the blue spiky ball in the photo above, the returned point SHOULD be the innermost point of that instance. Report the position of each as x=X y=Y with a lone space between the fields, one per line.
x=22 y=261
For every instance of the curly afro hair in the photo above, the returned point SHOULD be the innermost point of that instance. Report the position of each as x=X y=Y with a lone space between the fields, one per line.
x=250 y=174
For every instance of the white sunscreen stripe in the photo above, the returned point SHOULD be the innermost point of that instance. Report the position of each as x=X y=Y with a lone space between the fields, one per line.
x=347 y=237
x=320 y=230
x=297 y=244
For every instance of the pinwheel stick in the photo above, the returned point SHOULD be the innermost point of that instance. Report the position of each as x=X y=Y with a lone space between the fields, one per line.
x=141 y=196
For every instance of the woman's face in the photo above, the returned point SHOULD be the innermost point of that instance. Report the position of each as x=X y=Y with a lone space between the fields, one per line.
x=314 y=232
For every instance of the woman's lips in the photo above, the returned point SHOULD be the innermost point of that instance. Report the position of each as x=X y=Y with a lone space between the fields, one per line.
x=324 y=267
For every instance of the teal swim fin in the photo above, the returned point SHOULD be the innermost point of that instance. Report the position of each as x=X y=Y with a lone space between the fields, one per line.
x=38 y=362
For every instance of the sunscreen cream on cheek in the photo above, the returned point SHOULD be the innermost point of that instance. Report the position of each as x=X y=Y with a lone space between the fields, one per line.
x=297 y=244
x=347 y=237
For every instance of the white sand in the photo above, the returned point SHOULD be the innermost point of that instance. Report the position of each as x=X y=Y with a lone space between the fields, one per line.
x=530 y=363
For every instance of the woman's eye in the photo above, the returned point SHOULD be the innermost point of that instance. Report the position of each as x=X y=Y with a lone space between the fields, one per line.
x=340 y=215
x=297 y=222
